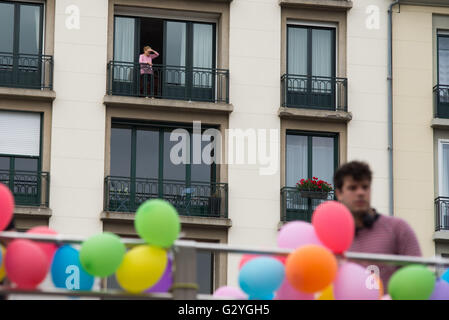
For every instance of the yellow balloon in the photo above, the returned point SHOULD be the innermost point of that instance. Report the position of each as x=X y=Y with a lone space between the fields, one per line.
x=141 y=268
x=2 y=268
x=327 y=294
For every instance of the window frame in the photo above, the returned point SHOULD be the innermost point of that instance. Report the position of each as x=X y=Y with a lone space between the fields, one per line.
x=440 y=34
x=441 y=142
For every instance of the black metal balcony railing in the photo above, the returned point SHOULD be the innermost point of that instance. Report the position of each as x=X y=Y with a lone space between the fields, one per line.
x=168 y=82
x=29 y=188
x=442 y=213
x=310 y=92
x=441 y=101
x=295 y=207
x=30 y=71
x=194 y=199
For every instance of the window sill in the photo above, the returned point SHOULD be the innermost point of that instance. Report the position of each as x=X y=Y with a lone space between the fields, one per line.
x=441 y=236
x=440 y=123
x=313 y=114
x=28 y=217
x=27 y=94
x=168 y=104
x=325 y=4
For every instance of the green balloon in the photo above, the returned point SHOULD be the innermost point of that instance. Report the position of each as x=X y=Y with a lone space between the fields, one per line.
x=414 y=282
x=157 y=222
x=102 y=254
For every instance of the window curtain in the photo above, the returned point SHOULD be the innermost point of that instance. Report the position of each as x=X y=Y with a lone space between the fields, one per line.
x=202 y=54
x=443 y=59
x=175 y=53
x=321 y=59
x=323 y=158
x=444 y=170
x=6 y=28
x=297 y=57
x=124 y=48
x=296 y=167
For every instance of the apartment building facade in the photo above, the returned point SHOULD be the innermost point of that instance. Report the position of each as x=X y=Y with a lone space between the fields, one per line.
x=85 y=137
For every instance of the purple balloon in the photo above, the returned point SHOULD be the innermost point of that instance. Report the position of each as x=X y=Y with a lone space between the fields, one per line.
x=353 y=282
x=230 y=292
x=441 y=291
x=296 y=234
x=165 y=282
x=287 y=292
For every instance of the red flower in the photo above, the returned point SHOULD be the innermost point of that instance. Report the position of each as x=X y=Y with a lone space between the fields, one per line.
x=315 y=178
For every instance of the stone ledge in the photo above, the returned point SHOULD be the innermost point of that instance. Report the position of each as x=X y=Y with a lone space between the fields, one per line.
x=168 y=104
x=38 y=212
x=440 y=123
x=313 y=114
x=185 y=220
x=441 y=236
x=27 y=94
x=323 y=4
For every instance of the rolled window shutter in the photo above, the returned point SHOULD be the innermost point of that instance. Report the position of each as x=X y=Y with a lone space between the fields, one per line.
x=20 y=133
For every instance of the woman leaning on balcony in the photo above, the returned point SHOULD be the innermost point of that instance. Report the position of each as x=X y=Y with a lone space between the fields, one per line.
x=146 y=72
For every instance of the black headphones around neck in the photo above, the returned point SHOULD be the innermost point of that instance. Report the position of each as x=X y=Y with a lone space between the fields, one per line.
x=368 y=220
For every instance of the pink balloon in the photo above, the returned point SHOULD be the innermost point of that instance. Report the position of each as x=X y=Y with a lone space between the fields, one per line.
x=230 y=292
x=248 y=257
x=287 y=292
x=48 y=248
x=25 y=263
x=6 y=206
x=353 y=283
x=296 y=234
x=334 y=226
x=386 y=297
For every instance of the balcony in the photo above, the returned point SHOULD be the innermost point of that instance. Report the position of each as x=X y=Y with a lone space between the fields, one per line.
x=169 y=82
x=441 y=213
x=26 y=71
x=441 y=101
x=28 y=187
x=310 y=92
x=200 y=199
x=295 y=207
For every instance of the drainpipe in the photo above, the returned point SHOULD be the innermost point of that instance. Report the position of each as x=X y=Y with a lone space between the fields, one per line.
x=390 y=104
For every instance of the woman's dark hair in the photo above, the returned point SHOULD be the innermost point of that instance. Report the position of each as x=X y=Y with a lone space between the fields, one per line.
x=356 y=169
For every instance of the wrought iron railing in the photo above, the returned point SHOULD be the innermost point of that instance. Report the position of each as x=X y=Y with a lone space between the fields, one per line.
x=29 y=71
x=205 y=199
x=168 y=82
x=441 y=101
x=442 y=213
x=30 y=188
x=296 y=207
x=310 y=92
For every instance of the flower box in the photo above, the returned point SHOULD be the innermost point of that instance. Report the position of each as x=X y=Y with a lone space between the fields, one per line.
x=314 y=194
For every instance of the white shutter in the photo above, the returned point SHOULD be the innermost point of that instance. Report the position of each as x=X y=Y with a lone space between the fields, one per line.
x=20 y=133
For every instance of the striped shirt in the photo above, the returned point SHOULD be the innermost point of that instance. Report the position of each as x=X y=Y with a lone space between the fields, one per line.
x=388 y=235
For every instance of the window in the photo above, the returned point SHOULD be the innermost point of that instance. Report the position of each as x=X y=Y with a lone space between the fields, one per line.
x=443 y=164
x=443 y=58
x=20 y=155
x=21 y=29
x=184 y=68
x=311 y=70
x=205 y=272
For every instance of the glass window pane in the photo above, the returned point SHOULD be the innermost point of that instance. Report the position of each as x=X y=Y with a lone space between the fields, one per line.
x=147 y=154
x=30 y=22
x=323 y=158
x=202 y=53
x=202 y=172
x=174 y=171
x=24 y=164
x=205 y=272
x=124 y=46
x=4 y=163
x=322 y=53
x=6 y=28
x=443 y=60
x=444 y=170
x=296 y=158
x=121 y=152
x=297 y=51
x=175 y=53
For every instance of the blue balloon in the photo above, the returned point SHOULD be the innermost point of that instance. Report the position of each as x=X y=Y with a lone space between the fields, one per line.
x=261 y=277
x=67 y=272
x=268 y=297
x=445 y=276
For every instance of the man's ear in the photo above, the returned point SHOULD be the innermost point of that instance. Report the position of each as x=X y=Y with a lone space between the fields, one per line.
x=338 y=194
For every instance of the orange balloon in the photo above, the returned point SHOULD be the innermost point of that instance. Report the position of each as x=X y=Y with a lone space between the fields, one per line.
x=311 y=268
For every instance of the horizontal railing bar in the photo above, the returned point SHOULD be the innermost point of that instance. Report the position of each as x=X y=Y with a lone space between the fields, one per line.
x=239 y=249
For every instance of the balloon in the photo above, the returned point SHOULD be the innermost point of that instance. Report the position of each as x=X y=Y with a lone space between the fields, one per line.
x=25 y=263
x=287 y=292
x=67 y=272
x=269 y=296
x=157 y=222
x=413 y=282
x=141 y=268
x=2 y=267
x=248 y=257
x=386 y=297
x=327 y=294
x=296 y=234
x=353 y=282
x=6 y=206
x=48 y=248
x=101 y=254
x=261 y=276
x=311 y=268
x=445 y=276
x=230 y=292
x=165 y=282
x=441 y=291
x=334 y=225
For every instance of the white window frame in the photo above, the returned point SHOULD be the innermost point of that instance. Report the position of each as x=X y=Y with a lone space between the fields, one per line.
x=440 y=164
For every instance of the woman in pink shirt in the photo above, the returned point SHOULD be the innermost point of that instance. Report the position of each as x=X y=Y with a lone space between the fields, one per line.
x=146 y=71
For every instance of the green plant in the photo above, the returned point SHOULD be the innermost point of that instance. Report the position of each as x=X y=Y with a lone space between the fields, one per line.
x=313 y=185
